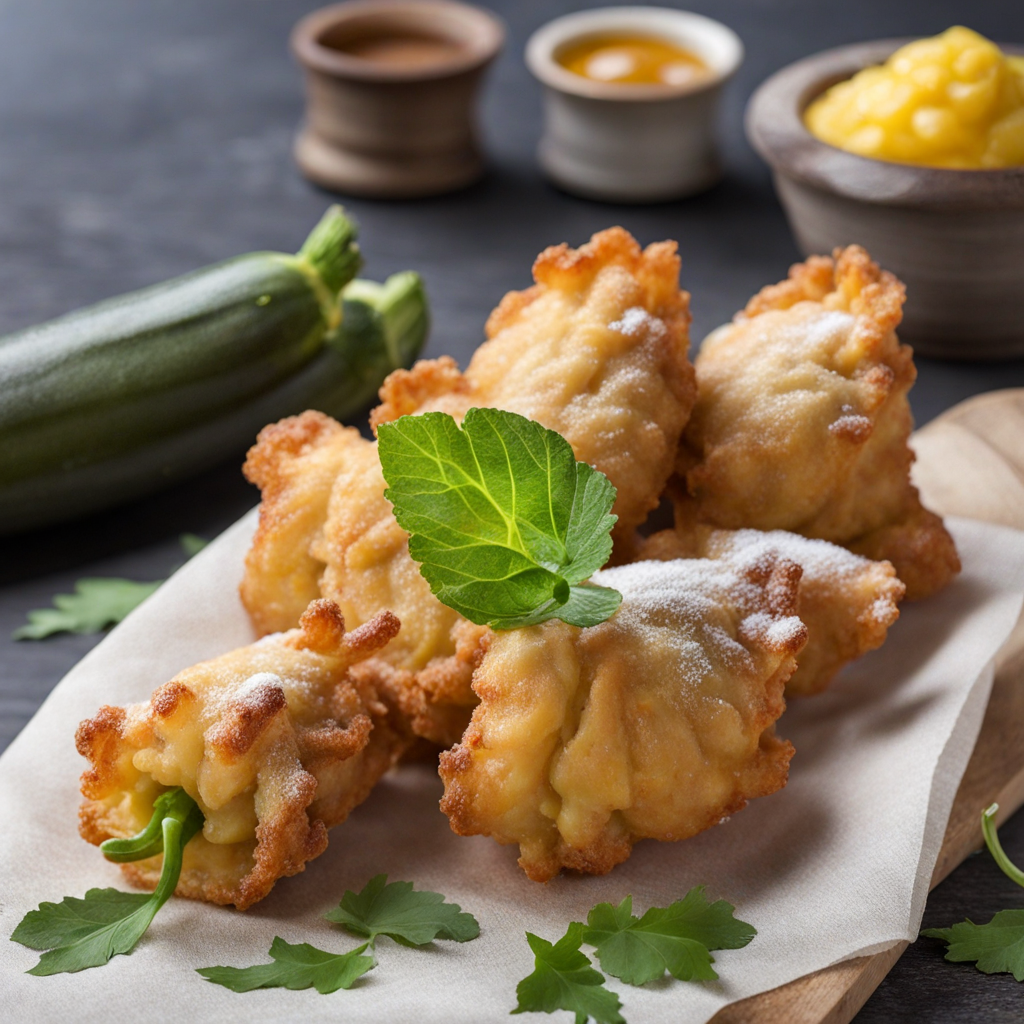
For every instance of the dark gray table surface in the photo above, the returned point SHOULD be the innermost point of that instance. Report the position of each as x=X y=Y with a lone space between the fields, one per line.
x=138 y=141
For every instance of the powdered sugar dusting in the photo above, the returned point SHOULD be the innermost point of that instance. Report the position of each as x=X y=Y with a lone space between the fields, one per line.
x=636 y=321
x=816 y=557
x=698 y=600
x=248 y=691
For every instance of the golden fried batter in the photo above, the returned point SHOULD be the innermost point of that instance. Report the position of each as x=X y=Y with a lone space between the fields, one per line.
x=596 y=349
x=294 y=463
x=847 y=602
x=276 y=742
x=655 y=724
x=802 y=420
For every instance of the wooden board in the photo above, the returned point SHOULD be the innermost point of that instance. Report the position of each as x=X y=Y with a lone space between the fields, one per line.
x=970 y=463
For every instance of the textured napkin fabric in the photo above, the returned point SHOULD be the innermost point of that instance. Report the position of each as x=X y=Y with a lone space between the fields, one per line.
x=835 y=865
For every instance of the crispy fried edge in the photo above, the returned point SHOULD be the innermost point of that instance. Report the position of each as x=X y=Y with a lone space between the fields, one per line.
x=435 y=703
x=404 y=392
x=277 y=445
x=565 y=268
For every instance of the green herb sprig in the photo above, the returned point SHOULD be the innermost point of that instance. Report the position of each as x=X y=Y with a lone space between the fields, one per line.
x=563 y=979
x=410 y=918
x=295 y=967
x=677 y=938
x=380 y=908
x=98 y=602
x=95 y=604
x=998 y=946
x=507 y=526
x=82 y=933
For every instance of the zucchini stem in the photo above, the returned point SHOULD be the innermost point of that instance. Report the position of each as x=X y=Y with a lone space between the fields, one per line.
x=331 y=250
x=403 y=310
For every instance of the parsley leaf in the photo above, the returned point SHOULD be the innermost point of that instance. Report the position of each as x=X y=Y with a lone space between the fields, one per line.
x=506 y=524
x=295 y=967
x=59 y=924
x=996 y=947
x=394 y=909
x=96 y=604
x=563 y=979
x=677 y=938
x=81 y=933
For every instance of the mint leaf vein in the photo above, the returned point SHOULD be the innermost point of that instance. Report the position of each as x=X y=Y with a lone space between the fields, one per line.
x=507 y=526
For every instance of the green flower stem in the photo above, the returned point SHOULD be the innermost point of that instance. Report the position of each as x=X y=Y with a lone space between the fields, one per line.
x=175 y=803
x=177 y=827
x=988 y=828
x=174 y=845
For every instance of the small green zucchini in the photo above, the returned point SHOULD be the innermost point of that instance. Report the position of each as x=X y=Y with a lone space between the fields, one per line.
x=119 y=399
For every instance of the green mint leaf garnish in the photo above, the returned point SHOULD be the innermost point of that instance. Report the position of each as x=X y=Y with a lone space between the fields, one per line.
x=96 y=604
x=996 y=947
x=295 y=967
x=563 y=979
x=395 y=910
x=81 y=933
x=677 y=938
x=506 y=524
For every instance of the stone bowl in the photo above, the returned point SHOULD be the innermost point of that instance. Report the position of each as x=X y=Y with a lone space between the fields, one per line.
x=393 y=132
x=954 y=237
x=632 y=143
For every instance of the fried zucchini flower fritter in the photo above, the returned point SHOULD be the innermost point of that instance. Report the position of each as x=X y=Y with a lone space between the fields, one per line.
x=846 y=601
x=276 y=742
x=655 y=724
x=802 y=421
x=596 y=350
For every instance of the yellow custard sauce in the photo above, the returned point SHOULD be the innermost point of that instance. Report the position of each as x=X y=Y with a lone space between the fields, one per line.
x=632 y=60
x=954 y=100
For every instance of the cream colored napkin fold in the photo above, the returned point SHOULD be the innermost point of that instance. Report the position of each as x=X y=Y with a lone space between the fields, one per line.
x=834 y=866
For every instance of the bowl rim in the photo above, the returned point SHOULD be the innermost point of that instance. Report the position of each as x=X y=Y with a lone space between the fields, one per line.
x=775 y=128
x=483 y=40
x=542 y=44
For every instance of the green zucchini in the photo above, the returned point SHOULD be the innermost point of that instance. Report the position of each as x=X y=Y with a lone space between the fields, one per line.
x=122 y=398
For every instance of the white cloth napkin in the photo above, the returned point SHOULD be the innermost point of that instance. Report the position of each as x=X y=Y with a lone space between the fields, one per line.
x=834 y=866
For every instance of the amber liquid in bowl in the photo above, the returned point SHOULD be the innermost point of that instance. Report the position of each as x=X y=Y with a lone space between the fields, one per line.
x=632 y=60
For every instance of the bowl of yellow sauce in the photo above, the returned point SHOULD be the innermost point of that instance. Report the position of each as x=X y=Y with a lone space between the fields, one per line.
x=915 y=150
x=629 y=59
x=630 y=100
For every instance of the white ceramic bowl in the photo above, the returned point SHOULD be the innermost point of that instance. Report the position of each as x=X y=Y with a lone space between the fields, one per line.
x=632 y=143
